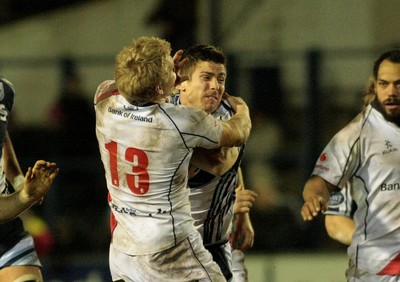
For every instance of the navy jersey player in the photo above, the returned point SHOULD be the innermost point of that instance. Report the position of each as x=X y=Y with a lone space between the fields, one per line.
x=18 y=258
x=366 y=151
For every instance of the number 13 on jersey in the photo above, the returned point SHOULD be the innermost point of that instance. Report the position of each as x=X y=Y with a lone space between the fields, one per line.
x=138 y=181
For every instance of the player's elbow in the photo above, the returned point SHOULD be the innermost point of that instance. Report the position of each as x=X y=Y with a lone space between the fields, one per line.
x=339 y=232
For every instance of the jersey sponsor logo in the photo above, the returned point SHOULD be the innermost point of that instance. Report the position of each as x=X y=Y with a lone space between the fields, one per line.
x=389 y=148
x=133 y=212
x=131 y=108
x=322 y=167
x=323 y=157
x=335 y=199
x=129 y=115
x=390 y=186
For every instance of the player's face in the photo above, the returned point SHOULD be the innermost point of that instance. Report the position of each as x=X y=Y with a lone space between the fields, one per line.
x=387 y=87
x=205 y=87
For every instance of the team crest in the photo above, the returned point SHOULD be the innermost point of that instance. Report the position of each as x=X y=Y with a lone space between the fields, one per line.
x=336 y=199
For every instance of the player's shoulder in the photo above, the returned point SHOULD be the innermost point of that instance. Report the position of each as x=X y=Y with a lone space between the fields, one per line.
x=6 y=81
x=6 y=84
x=358 y=124
x=107 y=85
x=6 y=89
x=105 y=89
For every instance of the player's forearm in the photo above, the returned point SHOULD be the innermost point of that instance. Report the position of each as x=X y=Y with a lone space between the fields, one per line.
x=316 y=186
x=11 y=165
x=13 y=205
x=236 y=130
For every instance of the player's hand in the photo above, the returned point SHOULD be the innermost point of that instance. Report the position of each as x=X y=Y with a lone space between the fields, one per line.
x=234 y=101
x=178 y=65
x=237 y=103
x=312 y=207
x=38 y=180
x=244 y=200
x=243 y=232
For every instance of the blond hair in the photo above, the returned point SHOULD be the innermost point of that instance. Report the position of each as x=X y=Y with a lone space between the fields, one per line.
x=141 y=67
x=369 y=92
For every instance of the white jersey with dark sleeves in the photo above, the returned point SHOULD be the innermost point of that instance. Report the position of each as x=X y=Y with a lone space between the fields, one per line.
x=145 y=151
x=367 y=150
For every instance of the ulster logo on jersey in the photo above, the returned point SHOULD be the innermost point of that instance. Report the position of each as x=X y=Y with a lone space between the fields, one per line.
x=336 y=199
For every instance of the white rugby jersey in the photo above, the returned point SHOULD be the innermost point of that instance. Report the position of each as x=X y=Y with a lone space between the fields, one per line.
x=146 y=152
x=212 y=197
x=367 y=151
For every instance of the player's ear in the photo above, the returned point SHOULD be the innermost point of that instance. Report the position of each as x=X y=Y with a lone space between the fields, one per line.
x=159 y=90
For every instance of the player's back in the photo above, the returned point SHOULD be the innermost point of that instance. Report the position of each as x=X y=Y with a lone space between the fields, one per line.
x=145 y=151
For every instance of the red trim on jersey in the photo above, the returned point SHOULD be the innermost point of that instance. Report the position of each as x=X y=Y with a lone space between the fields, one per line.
x=106 y=95
x=393 y=268
x=113 y=221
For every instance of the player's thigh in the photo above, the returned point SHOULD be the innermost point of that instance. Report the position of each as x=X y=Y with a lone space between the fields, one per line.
x=21 y=274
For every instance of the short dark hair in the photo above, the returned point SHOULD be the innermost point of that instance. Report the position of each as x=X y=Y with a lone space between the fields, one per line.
x=391 y=55
x=201 y=53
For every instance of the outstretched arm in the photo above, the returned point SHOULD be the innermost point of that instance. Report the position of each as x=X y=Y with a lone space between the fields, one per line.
x=36 y=183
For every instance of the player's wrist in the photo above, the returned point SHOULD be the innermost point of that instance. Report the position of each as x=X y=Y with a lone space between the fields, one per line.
x=18 y=182
x=25 y=198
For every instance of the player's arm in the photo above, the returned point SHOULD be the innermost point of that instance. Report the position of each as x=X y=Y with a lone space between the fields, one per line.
x=237 y=129
x=214 y=161
x=315 y=195
x=243 y=231
x=244 y=197
x=339 y=228
x=11 y=165
x=37 y=182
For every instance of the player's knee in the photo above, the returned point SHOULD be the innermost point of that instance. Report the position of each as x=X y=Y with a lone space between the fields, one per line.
x=28 y=278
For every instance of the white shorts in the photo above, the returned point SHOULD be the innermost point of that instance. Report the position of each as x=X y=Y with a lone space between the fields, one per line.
x=187 y=261
x=22 y=253
x=355 y=274
x=239 y=269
